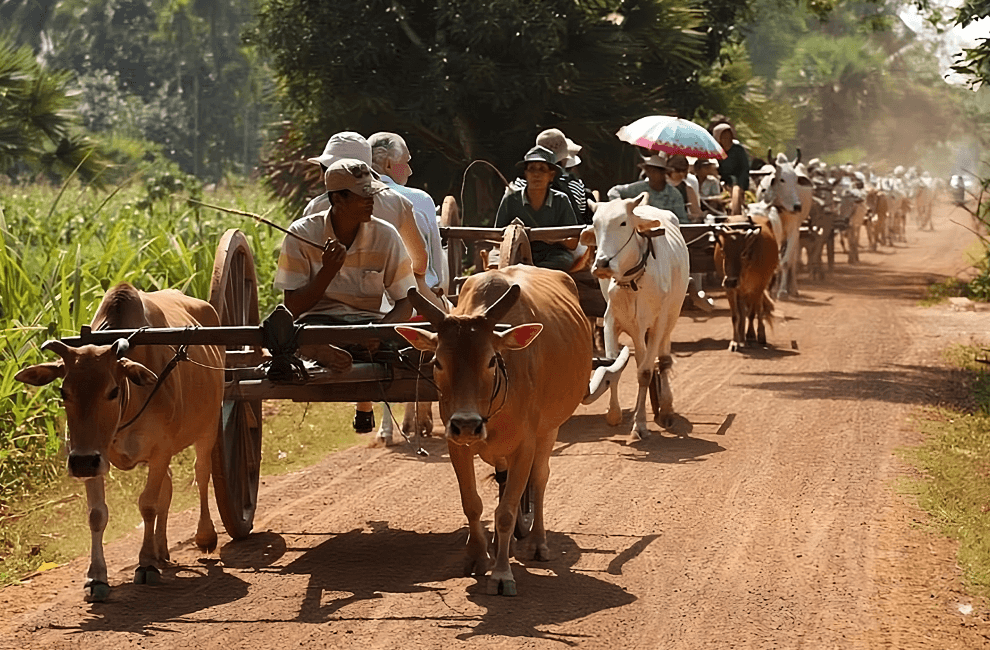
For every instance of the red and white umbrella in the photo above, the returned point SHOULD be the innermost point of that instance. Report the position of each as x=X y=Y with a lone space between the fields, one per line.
x=671 y=135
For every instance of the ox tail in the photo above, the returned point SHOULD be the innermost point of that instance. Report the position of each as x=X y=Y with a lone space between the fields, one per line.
x=768 y=307
x=603 y=377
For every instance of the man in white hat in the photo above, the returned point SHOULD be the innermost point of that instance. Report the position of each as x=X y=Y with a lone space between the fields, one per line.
x=390 y=206
x=363 y=260
x=390 y=158
x=661 y=194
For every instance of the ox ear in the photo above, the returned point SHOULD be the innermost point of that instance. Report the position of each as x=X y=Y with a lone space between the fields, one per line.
x=646 y=225
x=587 y=237
x=642 y=199
x=42 y=373
x=137 y=373
x=420 y=339
x=519 y=336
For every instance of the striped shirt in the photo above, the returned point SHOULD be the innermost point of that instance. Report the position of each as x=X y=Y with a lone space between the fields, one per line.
x=376 y=263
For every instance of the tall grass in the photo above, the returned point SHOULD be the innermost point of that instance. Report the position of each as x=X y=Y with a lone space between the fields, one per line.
x=60 y=250
x=954 y=460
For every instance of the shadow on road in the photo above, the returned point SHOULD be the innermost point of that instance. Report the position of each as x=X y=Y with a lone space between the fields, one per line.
x=900 y=384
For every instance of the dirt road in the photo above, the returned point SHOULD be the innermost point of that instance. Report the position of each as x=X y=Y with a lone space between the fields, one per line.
x=771 y=519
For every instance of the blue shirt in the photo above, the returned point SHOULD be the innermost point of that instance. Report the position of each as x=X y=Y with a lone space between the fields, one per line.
x=666 y=199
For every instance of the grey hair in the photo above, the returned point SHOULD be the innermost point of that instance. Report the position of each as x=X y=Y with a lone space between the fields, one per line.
x=386 y=147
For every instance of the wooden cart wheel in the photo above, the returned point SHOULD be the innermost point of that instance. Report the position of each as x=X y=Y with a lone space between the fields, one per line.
x=527 y=508
x=237 y=452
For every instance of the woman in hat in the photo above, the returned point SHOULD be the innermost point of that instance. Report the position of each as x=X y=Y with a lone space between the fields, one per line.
x=539 y=205
x=662 y=194
x=734 y=169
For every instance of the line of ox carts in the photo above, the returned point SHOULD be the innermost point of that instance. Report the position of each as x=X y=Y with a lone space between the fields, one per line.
x=156 y=372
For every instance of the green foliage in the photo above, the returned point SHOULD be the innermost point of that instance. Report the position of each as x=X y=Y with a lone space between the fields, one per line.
x=731 y=90
x=61 y=249
x=974 y=62
x=955 y=487
x=463 y=80
x=173 y=72
x=37 y=131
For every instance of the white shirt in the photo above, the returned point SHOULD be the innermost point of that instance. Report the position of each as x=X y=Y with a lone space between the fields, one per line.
x=425 y=211
x=376 y=264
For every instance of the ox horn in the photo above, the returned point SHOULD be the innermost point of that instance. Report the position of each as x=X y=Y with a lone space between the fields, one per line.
x=56 y=346
x=120 y=347
x=770 y=159
x=502 y=306
x=798 y=159
x=433 y=314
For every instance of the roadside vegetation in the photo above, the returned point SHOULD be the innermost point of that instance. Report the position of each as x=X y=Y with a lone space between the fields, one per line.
x=61 y=247
x=954 y=461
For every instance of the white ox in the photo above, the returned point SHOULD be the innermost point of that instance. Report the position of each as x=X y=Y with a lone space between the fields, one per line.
x=643 y=258
x=115 y=416
x=791 y=192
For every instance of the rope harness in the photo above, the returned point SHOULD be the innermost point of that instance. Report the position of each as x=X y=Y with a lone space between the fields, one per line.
x=629 y=277
x=181 y=354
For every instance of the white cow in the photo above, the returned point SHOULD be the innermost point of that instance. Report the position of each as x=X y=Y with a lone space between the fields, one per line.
x=642 y=255
x=790 y=191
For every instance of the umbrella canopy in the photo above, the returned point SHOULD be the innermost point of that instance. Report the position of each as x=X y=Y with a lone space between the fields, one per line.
x=672 y=135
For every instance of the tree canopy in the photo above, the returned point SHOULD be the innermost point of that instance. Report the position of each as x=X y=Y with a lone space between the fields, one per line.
x=463 y=80
x=38 y=133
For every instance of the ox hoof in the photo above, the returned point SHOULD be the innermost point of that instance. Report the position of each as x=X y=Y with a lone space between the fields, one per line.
x=382 y=441
x=207 y=542
x=614 y=419
x=542 y=553
x=501 y=587
x=147 y=575
x=96 y=591
x=474 y=567
x=665 y=420
x=639 y=434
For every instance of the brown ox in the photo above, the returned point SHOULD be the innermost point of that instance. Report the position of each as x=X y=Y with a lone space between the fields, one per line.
x=115 y=416
x=747 y=260
x=503 y=395
x=877 y=218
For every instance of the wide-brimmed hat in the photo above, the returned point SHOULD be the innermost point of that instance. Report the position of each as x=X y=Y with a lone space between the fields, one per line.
x=656 y=160
x=703 y=162
x=354 y=175
x=346 y=144
x=540 y=154
x=555 y=141
x=573 y=159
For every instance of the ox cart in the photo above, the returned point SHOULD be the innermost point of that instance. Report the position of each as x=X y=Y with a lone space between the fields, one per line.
x=261 y=364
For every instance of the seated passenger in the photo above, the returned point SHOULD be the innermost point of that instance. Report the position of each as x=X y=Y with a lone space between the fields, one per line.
x=539 y=205
x=565 y=181
x=680 y=176
x=344 y=283
x=662 y=195
x=710 y=192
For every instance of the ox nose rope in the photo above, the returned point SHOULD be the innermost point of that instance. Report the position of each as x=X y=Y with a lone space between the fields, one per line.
x=501 y=381
x=628 y=279
x=180 y=355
